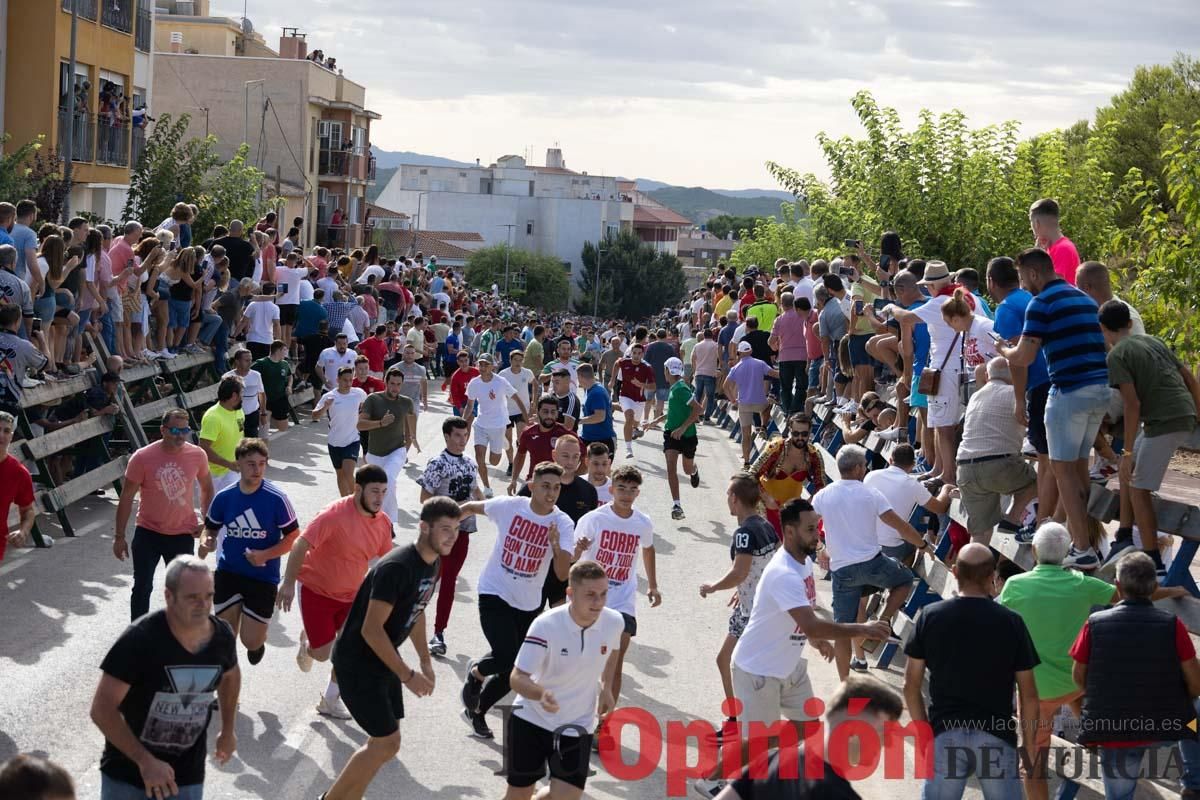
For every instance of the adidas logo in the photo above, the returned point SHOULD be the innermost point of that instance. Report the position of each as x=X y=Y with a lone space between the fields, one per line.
x=246 y=526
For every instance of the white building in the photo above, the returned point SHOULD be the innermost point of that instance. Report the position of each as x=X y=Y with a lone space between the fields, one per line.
x=550 y=209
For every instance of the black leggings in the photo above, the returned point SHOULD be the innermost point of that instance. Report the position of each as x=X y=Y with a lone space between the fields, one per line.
x=505 y=628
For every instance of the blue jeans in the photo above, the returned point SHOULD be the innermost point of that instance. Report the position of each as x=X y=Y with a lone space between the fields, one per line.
x=108 y=330
x=1073 y=419
x=960 y=753
x=214 y=333
x=112 y=789
x=706 y=389
x=1189 y=754
x=1119 y=767
x=881 y=571
x=814 y=372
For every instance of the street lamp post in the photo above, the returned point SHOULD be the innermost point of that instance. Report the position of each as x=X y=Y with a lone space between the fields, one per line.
x=246 y=123
x=507 y=248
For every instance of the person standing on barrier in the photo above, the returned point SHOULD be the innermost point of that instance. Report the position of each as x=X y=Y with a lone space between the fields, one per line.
x=221 y=428
x=975 y=650
x=391 y=420
x=165 y=473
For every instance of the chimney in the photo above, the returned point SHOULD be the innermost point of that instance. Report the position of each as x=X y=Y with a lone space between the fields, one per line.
x=477 y=162
x=293 y=44
x=176 y=41
x=554 y=158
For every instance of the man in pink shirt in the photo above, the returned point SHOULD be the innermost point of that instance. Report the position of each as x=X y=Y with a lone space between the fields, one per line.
x=789 y=339
x=166 y=473
x=1043 y=219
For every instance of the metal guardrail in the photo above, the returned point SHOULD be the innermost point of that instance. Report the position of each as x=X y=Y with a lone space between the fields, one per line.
x=118 y=15
x=112 y=143
x=86 y=8
x=141 y=38
x=82 y=128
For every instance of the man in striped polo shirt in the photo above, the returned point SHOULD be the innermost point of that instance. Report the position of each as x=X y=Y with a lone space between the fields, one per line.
x=1063 y=323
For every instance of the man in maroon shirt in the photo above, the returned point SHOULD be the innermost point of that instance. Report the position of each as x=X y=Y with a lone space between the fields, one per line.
x=537 y=441
x=634 y=376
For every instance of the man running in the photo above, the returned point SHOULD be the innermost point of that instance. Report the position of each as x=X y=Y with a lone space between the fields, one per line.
x=221 y=428
x=450 y=474
x=416 y=380
x=165 y=472
x=533 y=535
x=333 y=357
x=568 y=402
x=527 y=389
x=634 y=376
x=536 y=443
x=611 y=536
x=563 y=675
x=276 y=372
x=343 y=405
x=489 y=394
x=680 y=437
x=254 y=398
x=388 y=609
x=259 y=528
x=329 y=559
x=391 y=420
x=596 y=424
x=599 y=463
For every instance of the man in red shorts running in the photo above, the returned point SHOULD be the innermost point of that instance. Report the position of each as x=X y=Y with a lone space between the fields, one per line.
x=330 y=559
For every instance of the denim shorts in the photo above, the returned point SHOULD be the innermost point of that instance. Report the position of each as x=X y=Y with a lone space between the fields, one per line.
x=180 y=313
x=661 y=394
x=1073 y=419
x=814 y=372
x=848 y=581
x=859 y=357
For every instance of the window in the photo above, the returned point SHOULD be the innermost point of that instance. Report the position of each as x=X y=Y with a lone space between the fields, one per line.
x=352 y=212
x=360 y=139
x=424 y=172
x=330 y=134
x=529 y=228
x=82 y=86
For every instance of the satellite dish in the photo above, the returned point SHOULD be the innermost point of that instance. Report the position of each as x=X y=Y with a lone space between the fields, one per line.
x=247 y=26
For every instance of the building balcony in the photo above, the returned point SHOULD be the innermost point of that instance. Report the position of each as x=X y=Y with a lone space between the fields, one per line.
x=371 y=169
x=343 y=237
x=112 y=144
x=118 y=15
x=349 y=164
x=81 y=130
x=142 y=38
x=138 y=146
x=86 y=8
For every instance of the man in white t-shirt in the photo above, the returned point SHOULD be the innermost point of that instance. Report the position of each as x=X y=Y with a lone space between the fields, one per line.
x=343 y=405
x=770 y=673
x=564 y=673
x=904 y=493
x=333 y=358
x=528 y=389
x=533 y=536
x=492 y=393
x=261 y=322
x=612 y=535
x=288 y=279
x=254 y=397
x=851 y=511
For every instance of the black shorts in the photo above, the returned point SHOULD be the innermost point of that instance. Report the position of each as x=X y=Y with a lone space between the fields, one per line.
x=339 y=455
x=250 y=426
x=554 y=591
x=257 y=598
x=258 y=350
x=513 y=419
x=375 y=701
x=531 y=749
x=1035 y=409
x=630 y=623
x=279 y=407
x=684 y=444
x=287 y=314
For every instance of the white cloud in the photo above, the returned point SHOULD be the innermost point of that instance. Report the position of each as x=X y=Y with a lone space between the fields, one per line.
x=705 y=92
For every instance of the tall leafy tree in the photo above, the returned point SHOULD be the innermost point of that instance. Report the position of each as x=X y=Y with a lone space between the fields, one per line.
x=722 y=225
x=539 y=281
x=170 y=170
x=636 y=280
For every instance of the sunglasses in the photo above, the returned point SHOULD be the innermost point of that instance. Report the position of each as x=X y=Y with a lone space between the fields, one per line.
x=184 y=431
x=800 y=434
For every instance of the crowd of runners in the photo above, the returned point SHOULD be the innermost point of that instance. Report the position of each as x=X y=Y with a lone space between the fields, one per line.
x=538 y=449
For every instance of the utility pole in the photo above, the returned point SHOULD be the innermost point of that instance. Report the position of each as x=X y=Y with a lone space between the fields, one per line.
x=246 y=122
x=69 y=154
x=507 y=248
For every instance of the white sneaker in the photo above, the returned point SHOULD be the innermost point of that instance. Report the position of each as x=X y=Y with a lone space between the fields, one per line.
x=303 y=660
x=334 y=709
x=629 y=452
x=890 y=435
x=704 y=787
x=488 y=493
x=849 y=407
x=148 y=353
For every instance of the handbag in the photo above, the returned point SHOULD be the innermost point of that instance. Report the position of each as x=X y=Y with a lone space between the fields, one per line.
x=931 y=379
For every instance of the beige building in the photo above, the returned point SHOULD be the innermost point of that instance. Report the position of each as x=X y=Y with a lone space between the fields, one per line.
x=307 y=125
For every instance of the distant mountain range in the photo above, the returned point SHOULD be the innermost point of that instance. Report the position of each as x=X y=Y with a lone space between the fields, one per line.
x=696 y=202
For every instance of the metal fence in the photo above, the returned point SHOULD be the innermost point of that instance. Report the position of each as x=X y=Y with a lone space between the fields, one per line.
x=87 y=8
x=82 y=129
x=138 y=146
x=117 y=14
x=112 y=145
x=141 y=38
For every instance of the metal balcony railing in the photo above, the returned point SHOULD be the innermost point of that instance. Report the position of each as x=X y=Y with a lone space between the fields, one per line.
x=112 y=143
x=83 y=128
x=137 y=146
x=142 y=36
x=371 y=168
x=117 y=14
x=87 y=8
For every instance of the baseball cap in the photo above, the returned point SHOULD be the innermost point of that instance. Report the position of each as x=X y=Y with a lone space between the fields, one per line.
x=744 y=347
x=673 y=366
x=484 y=357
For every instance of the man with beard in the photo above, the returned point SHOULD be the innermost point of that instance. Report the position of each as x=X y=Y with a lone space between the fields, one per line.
x=329 y=559
x=537 y=442
x=388 y=609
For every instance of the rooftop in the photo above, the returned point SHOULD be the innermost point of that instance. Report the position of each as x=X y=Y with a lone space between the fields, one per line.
x=658 y=215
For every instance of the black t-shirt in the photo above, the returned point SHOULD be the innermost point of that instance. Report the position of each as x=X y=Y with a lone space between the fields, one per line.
x=170 y=690
x=794 y=785
x=313 y=345
x=759 y=347
x=241 y=257
x=754 y=537
x=567 y=407
x=402 y=579
x=973 y=648
x=574 y=499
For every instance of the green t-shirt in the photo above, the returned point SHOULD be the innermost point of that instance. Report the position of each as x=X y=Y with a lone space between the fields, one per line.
x=1054 y=603
x=1148 y=364
x=275 y=375
x=679 y=407
x=224 y=428
x=384 y=440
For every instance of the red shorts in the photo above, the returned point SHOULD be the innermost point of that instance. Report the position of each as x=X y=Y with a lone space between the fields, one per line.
x=323 y=617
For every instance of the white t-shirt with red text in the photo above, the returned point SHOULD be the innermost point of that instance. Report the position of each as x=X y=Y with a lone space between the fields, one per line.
x=616 y=543
x=522 y=555
x=773 y=644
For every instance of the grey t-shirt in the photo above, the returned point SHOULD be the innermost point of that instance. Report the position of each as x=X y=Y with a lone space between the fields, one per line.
x=833 y=321
x=17 y=358
x=656 y=356
x=15 y=291
x=413 y=375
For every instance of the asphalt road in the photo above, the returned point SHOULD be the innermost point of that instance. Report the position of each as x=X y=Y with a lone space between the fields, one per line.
x=63 y=607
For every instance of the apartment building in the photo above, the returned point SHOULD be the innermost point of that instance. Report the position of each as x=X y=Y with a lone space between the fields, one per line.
x=111 y=86
x=306 y=123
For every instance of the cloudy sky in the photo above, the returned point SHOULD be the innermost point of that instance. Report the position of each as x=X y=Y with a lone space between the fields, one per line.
x=702 y=92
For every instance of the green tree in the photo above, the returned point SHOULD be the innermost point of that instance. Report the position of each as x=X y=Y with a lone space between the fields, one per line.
x=539 y=281
x=720 y=226
x=32 y=171
x=636 y=281
x=228 y=192
x=170 y=170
